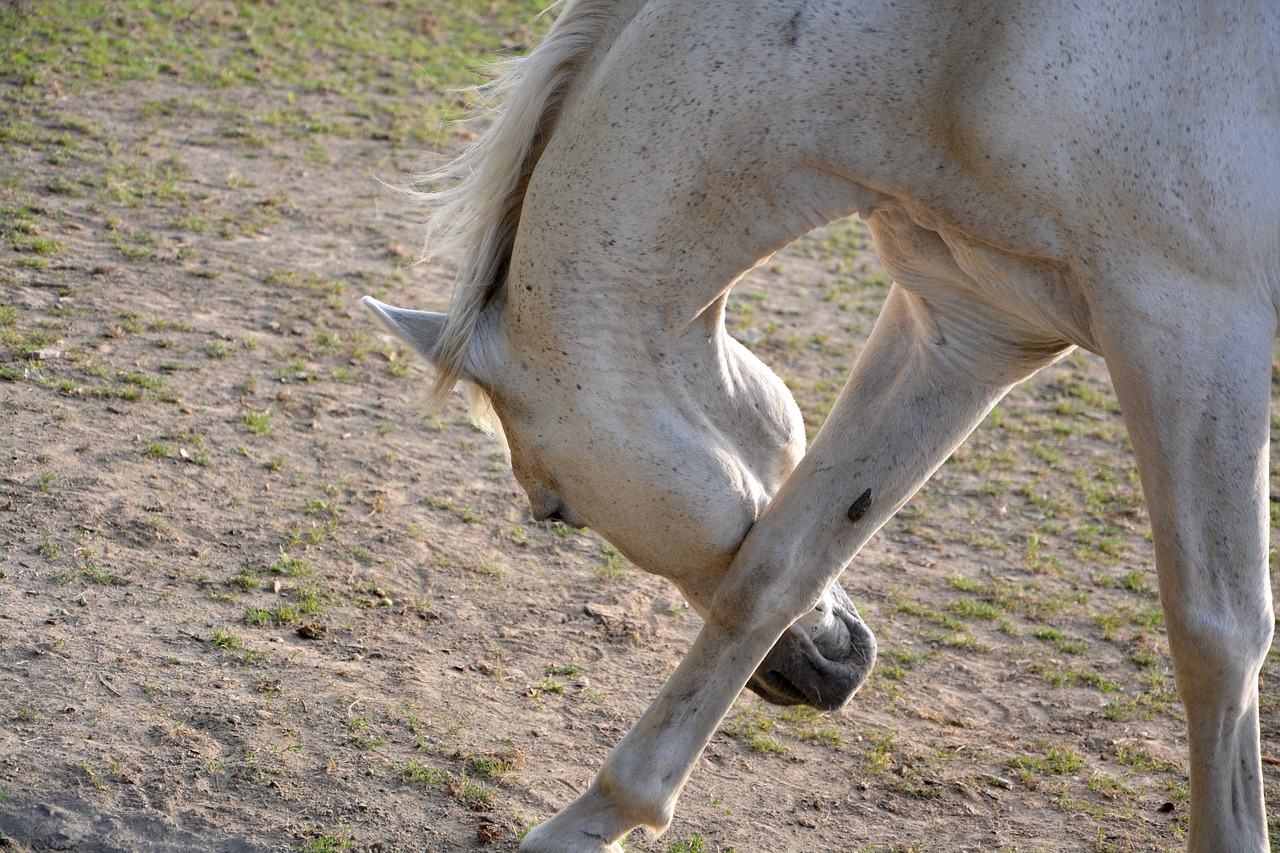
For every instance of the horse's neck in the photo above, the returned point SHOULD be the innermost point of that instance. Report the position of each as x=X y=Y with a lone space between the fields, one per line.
x=655 y=195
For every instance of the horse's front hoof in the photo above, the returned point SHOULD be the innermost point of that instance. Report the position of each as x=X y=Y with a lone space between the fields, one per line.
x=822 y=666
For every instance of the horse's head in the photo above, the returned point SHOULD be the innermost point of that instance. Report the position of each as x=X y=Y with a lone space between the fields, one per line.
x=670 y=450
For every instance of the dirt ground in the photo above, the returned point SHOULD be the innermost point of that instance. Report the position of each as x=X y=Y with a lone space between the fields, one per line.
x=254 y=597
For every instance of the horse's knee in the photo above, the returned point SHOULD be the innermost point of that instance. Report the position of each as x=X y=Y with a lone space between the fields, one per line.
x=765 y=590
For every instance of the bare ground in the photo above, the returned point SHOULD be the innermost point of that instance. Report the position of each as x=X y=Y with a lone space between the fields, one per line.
x=253 y=597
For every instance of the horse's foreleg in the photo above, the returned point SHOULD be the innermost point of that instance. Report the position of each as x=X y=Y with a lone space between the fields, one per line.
x=1193 y=379
x=925 y=379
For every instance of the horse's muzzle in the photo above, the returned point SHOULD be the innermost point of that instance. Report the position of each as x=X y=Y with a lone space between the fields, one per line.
x=821 y=660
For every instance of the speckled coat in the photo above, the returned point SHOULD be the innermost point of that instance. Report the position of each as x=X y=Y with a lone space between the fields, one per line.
x=1037 y=177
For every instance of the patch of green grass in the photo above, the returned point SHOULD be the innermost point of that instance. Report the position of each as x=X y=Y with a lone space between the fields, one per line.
x=967 y=608
x=103 y=577
x=244 y=580
x=35 y=244
x=1136 y=582
x=328 y=840
x=1109 y=787
x=1144 y=657
x=398 y=365
x=257 y=616
x=218 y=349
x=500 y=765
x=155 y=449
x=1138 y=759
x=613 y=568
x=1058 y=675
x=133 y=246
x=315 y=533
x=549 y=685
x=141 y=380
x=906 y=657
x=458 y=785
x=360 y=734
x=565 y=671
x=361 y=555
x=18 y=132
x=880 y=757
x=94 y=777
x=967 y=584
x=323 y=509
x=1048 y=760
x=225 y=638
x=412 y=771
x=890 y=671
x=308 y=603
x=901 y=604
x=757 y=730
x=290 y=44
x=258 y=423
x=804 y=722
x=160 y=526
x=482 y=567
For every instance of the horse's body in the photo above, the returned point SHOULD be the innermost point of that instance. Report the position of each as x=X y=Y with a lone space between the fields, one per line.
x=1036 y=176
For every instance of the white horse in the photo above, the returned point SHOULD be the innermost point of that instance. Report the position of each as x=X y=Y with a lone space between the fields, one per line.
x=1038 y=176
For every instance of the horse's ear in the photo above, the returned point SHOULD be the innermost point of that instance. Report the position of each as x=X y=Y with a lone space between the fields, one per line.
x=420 y=329
x=423 y=329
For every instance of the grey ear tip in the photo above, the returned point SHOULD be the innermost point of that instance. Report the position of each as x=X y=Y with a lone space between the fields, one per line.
x=419 y=329
x=381 y=310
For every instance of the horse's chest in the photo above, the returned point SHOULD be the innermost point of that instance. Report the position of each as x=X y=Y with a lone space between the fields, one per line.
x=943 y=263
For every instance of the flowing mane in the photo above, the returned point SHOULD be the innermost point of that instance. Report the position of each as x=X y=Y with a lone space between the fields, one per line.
x=478 y=210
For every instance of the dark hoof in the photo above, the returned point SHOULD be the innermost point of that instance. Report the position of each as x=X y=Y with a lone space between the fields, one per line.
x=821 y=660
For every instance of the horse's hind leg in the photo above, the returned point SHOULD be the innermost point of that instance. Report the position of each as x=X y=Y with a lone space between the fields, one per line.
x=1195 y=391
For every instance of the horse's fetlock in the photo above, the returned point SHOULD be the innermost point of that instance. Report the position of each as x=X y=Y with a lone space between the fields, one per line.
x=639 y=798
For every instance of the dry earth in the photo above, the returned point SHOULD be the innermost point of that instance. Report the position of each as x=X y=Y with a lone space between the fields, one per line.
x=253 y=597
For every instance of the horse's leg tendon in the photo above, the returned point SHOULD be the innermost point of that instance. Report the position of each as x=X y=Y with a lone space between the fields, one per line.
x=926 y=378
x=1193 y=379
